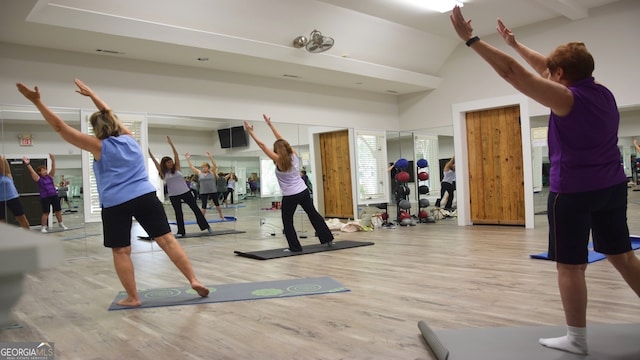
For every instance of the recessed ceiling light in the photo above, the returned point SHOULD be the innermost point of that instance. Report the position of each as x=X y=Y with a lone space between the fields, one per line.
x=441 y=6
x=392 y=91
x=203 y=59
x=291 y=76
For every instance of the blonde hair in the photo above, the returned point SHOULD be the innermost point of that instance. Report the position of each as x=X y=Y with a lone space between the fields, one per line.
x=5 y=169
x=284 y=151
x=205 y=164
x=105 y=124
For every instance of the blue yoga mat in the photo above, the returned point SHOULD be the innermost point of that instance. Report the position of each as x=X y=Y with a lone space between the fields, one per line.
x=193 y=222
x=593 y=255
x=234 y=292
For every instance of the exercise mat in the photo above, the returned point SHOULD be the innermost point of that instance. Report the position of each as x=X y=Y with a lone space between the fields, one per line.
x=307 y=249
x=233 y=292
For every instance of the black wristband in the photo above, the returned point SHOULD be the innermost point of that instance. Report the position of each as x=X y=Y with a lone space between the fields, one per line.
x=472 y=40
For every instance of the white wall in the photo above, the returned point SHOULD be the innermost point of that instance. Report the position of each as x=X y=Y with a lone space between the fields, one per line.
x=611 y=36
x=136 y=86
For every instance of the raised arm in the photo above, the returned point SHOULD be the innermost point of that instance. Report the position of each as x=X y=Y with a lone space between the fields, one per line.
x=156 y=163
x=193 y=168
x=536 y=60
x=450 y=164
x=68 y=133
x=547 y=92
x=52 y=172
x=272 y=155
x=33 y=173
x=176 y=158
x=214 y=166
x=635 y=143
x=275 y=131
x=83 y=89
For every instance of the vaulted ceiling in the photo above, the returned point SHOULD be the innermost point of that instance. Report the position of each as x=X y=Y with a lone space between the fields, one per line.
x=384 y=46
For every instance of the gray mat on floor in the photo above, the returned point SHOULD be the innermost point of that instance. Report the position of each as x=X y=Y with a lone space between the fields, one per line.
x=606 y=342
x=234 y=292
x=308 y=249
x=201 y=234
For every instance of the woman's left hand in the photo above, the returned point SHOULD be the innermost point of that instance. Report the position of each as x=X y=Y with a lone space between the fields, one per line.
x=463 y=27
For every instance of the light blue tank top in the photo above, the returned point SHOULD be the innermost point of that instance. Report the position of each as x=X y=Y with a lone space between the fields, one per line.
x=8 y=189
x=121 y=174
x=290 y=181
x=449 y=176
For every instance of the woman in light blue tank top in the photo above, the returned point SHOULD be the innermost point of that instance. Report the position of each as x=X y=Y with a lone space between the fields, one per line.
x=116 y=152
x=294 y=189
x=9 y=197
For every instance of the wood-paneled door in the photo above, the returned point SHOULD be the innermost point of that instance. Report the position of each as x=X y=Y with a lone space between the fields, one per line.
x=496 y=172
x=336 y=174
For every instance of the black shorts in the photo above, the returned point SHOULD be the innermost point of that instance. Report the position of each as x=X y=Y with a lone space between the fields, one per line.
x=146 y=209
x=48 y=202
x=603 y=213
x=14 y=205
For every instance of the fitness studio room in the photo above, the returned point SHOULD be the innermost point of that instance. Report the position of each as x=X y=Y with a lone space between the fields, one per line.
x=431 y=172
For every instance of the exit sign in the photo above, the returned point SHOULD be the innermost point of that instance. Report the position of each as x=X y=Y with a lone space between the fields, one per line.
x=26 y=140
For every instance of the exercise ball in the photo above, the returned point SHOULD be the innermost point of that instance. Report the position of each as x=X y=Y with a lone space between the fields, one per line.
x=422 y=176
x=406 y=222
x=422 y=163
x=402 y=177
x=431 y=219
x=423 y=203
x=423 y=189
x=404 y=215
x=384 y=216
x=404 y=204
x=423 y=214
x=402 y=163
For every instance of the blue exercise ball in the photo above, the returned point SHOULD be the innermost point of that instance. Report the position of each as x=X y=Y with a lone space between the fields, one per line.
x=402 y=163
x=422 y=163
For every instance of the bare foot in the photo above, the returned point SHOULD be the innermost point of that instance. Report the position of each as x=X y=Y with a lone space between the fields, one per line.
x=223 y=218
x=200 y=289
x=129 y=301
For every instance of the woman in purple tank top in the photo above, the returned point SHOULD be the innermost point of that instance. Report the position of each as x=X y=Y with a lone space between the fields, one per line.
x=588 y=187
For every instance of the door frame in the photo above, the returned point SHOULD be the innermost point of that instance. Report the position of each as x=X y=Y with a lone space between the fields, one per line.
x=458 y=113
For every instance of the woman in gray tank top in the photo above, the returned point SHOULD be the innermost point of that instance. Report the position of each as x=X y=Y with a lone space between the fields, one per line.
x=207 y=179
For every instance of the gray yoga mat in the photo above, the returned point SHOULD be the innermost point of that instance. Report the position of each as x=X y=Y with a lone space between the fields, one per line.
x=307 y=249
x=606 y=342
x=233 y=292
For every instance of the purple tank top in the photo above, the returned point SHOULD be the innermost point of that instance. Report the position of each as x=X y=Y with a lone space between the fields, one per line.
x=583 y=145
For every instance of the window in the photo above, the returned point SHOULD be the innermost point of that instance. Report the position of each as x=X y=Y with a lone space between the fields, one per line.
x=371 y=154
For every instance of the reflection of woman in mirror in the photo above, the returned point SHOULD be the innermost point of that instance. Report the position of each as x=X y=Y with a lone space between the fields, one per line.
x=169 y=171
x=588 y=187
x=232 y=179
x=124 y=189
x=446 y=186
x=9 y=197
x=48 y=192
x=63 y=194
x=294 y=190
x=207 y=180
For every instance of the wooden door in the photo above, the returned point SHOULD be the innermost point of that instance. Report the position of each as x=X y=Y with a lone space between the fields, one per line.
x=496 y=173
x=336 y=174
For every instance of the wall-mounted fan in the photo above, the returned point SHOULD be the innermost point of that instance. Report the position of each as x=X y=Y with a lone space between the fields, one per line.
x=316 y=43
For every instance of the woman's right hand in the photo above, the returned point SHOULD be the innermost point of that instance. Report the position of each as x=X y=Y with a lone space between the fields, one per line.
x=248 y=126
x=506 y=33
x=26 y=160
x=188 y=156
x=267 y=119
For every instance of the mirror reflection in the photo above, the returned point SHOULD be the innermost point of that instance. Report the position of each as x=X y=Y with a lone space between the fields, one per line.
x=47 y=174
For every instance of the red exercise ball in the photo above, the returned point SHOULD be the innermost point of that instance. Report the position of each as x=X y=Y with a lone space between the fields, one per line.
x=423 y=176
x=404 y=215
x=423 y=214
x=402 y=177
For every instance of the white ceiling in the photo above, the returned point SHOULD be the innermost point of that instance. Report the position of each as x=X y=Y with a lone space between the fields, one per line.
x=384 y=46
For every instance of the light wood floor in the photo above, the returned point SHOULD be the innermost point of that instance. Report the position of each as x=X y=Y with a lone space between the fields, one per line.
x=451 y=277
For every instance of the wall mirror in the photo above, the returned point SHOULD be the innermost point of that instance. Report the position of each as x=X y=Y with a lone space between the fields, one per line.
x=25 y=133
